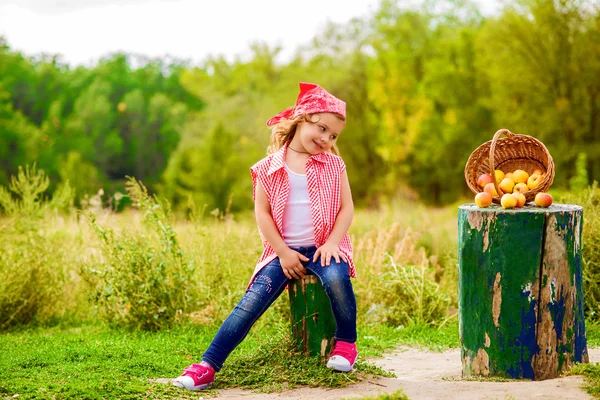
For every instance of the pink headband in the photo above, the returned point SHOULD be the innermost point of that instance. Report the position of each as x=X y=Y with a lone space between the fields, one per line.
x=311 y=100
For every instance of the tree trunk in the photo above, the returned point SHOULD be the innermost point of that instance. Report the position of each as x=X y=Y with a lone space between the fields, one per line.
x=313 y=325
x=520 y=291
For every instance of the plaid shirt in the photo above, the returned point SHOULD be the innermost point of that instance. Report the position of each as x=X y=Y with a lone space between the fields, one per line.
x=323 y=178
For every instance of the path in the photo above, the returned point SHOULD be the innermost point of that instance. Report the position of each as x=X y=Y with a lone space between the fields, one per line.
x=435 y=376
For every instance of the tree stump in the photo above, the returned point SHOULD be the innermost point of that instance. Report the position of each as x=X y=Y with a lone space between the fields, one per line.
x=520 y=290
x=313 y=324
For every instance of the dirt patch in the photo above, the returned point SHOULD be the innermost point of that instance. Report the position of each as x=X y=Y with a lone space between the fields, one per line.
x=430 y=375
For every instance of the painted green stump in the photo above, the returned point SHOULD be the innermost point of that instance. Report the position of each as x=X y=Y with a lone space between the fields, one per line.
x=520 y=291
x=313 y=325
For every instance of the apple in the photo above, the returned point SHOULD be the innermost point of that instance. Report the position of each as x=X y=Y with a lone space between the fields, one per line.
x=484 y=179
x=499 y=175
x=520 y=176
x=543 y=199
x=483 y=199
x=510 y=176
x=521 y=188
x=534 y=180
x=491 y=189
x=537 y=171
x=508 y=201
x=507 y=185
x=520 y=199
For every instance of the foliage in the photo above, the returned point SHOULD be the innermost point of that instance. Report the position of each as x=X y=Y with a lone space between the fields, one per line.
x=424 y=86
x=34 y=261
x=26 y=200
x=410 y=295
x=592 y=374
x=589 y=199
x=143 y=280
x=208 y=172
x=579 y=181
x=407 y=272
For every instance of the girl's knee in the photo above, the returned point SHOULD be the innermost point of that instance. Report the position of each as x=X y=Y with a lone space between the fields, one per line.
x=337 y=284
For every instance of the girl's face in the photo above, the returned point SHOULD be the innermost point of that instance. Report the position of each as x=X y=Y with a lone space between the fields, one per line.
x=319 y=135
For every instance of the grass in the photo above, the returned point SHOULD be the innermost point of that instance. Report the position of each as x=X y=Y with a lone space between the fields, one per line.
x=191 y=273
x=398 y=395
x=590 y=371
x=97 y=361
x=101 y=345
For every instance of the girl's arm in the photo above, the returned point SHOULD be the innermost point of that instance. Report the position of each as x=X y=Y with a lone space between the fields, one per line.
x=341 y=226
x=289 y=259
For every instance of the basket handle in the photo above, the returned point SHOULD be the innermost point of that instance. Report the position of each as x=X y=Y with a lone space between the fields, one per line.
x=497 y=135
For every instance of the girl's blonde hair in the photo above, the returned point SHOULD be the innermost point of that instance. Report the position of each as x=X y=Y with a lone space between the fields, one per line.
x=283 y=133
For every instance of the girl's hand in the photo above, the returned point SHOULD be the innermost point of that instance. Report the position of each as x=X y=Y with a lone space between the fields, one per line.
x=327 y=251
x=291 y=265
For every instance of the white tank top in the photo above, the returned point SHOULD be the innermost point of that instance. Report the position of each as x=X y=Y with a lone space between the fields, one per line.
x=298 y=230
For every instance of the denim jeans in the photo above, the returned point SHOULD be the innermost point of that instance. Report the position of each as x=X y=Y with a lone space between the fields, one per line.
x=266 y=287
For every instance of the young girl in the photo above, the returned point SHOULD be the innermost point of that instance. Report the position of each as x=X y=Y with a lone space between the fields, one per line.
x=303 y=208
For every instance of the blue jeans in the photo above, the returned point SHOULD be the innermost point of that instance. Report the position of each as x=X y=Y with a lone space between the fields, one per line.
x=266 y=287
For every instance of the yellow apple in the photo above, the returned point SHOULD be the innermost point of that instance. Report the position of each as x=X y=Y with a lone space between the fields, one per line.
x=510 y=176
x=520 y=176
x=499 y=175
x=508 y=201
x=543 y=199
x=520 y=199
x=507 y=185
x=491 y=189
x=533 y=181
x=484 y=179
x=537 y=171
x=483 y=199
x=521 y=188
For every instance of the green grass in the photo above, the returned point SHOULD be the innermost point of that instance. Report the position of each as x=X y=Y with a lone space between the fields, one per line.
x=398 y=395
x=590 y=371
x=100 y=362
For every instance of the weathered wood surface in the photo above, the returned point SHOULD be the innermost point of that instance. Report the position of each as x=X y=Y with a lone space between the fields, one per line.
x=313 y=324
x=520 y=290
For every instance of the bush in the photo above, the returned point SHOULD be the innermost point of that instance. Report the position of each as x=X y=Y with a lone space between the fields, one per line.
x=589 y=199
x=402 y=285
x=409 y=295
x=142 y=280
x=33 y=258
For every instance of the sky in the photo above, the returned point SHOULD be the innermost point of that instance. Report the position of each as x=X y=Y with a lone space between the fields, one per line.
x=83 y=31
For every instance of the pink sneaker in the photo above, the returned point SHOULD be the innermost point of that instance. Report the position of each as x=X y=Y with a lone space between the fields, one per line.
x=196 y=377
x=343 y=357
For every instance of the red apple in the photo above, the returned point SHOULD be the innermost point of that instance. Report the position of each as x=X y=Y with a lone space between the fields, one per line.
x=491 y=189
x=543 y=199
x=483 y=199
x=484 y=179
x=521 y=188
x=520 y=199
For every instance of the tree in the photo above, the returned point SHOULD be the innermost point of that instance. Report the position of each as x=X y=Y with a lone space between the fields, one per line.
x=18 y=138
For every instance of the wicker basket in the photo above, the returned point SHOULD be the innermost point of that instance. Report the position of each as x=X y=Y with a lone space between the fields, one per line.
x=509 y=154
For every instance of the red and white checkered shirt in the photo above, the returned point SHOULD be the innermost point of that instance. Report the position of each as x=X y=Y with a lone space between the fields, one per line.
x=323 y=178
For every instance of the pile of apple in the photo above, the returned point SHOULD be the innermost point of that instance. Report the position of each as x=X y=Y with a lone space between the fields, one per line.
x=514 y=185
